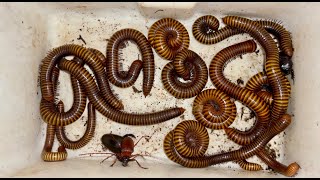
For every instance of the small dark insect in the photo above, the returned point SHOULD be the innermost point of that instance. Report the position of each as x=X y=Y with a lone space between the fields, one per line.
x=286 y=64
x=122 y=147
x=80 y=38
x=136 y=90
x=240 y=81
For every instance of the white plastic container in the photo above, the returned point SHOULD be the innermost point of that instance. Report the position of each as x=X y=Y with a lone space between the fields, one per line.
x=29 y=30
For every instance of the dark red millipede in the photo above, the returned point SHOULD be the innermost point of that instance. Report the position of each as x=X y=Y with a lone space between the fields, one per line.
x=168 y=37
x=86 y=80
x=273 y=72
x=52 y=58
x=247 y=97
x=243 y=153
x=131 y=76
x=198 y=75
x=87 y=136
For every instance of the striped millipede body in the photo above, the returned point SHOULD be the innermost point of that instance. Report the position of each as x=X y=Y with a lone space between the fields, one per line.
x=203 y=25
x=191 y=138
x=52 y=116
x=168 y=37
x=88 y=135
x=86 y=80
x=89 y=58
x=192 y=67
x=244 y=164
x=243 y=153
x=131 y=76
x=256 y=83
x=100 y=55
x=206 y=23
x=281 y=33
x=46 y=154
x=213 y=109
x=242 y=94
x=289 y=171
x=272 y=69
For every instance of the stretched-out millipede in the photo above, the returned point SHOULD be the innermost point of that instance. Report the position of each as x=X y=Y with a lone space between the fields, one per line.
x=52 y=116
x=53 y=57
x=244 y=95
x=275 y=77
x=86 y=80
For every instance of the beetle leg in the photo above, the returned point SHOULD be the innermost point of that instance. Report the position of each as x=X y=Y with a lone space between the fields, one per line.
x=114 y=162
x=138 y=163
x=106 y=158
x=140 y=139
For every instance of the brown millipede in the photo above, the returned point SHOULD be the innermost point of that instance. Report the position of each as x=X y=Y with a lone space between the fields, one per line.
x=50 y=114
x=197 y=73
x=256 y=84
x=87 y=136
x=243 y=153
x=223 y=111
x=244 y=95
x=100 y=55
x=168 y=37
x=289 y=171
x=190 y=139
x=205 y=30
x=266 y=96
x=244 y=164
x=131 y=76
x=46 y=153
x=273 y=72
x=86 y=80
x=281 y=33
x=89 y=58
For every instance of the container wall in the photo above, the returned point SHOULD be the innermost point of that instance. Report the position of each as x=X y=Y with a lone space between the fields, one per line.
x=23 y=35
x=29 y=31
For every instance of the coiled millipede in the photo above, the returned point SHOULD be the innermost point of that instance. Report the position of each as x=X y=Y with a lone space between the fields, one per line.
x=244 y=95
x=200 y=161
x=87 y=136
x=126 y=79
x=168 y=37
x=189 y=66
x=214 y=109
x=86 y=80
x=205 y=30
x=49 y=62
x=275 y=77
